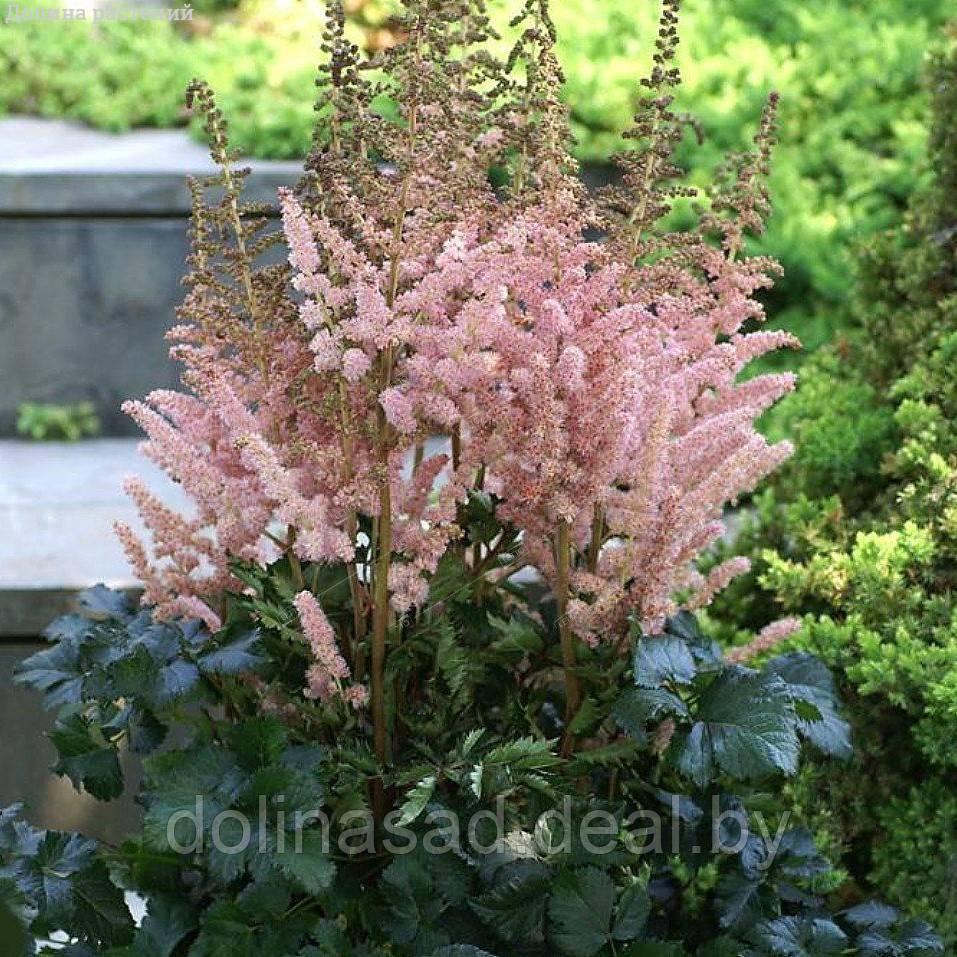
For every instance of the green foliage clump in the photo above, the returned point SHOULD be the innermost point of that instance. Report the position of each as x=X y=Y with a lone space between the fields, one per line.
x=115 y=76
x=119 y=75
x=914 y=859
x=841 y=428
x=44 y=421
x=865 y=547
x=219 y=721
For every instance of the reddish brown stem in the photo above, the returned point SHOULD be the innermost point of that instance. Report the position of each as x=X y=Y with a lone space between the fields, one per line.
x=573 y=693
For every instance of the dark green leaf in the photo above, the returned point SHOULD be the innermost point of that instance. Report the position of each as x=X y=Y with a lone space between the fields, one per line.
x=581 y=908
x=515 y=909
x=408 y=895
x=157 y=684
x=233 y=657
x=797 y=855
x=228 y=929
x=416 y=800
x=258 y=742
x=166 y=923
x=305 y=861
x=740 y=900
x=745 y=727
x=631 y=913
x=811 y=683
x=799 y=937
x=663 y=659
x=101 y=915
x=147 y=733
x=639 y=707
x=85 y=760
x=174 y=783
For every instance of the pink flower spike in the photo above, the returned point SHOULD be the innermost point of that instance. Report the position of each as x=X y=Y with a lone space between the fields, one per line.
x=767 y=639
x=355 y=364
x=330 y=667
x=398 y=410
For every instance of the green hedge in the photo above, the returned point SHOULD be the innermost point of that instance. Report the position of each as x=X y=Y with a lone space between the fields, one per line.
x=862 y=529
x=852 y=120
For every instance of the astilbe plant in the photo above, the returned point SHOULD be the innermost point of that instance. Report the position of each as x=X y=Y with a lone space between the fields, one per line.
x=592 y=392
x=452 y=467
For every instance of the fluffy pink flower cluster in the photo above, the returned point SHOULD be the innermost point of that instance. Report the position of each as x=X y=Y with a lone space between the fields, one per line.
x=327 y=675
x=289 y=447
x=190 y=440
x=767 y=639
x=354 y=334
x=582 y=395
x=573 y=392
x=593 y=388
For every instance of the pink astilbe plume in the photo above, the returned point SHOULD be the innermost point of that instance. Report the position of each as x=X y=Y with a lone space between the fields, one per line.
x=581 y=397
x=766 y=640
x=327 y=676
x=297 y=428
x=591 y=393
x=604 y=394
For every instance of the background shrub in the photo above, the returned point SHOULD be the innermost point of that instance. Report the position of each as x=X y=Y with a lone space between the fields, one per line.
x=852 y=119
x=860 y=535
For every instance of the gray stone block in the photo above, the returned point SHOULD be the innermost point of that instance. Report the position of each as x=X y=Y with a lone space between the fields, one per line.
x=84 y=308
x=58 y=502
x=92 y=253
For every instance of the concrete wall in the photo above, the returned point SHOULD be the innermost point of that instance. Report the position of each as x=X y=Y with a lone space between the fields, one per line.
x=84 y=306
x=92 y=251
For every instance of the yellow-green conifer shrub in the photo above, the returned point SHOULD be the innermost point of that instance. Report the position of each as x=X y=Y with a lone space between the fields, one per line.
x=864 y=536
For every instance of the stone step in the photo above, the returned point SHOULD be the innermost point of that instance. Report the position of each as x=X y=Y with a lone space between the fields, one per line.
x=58 y=502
